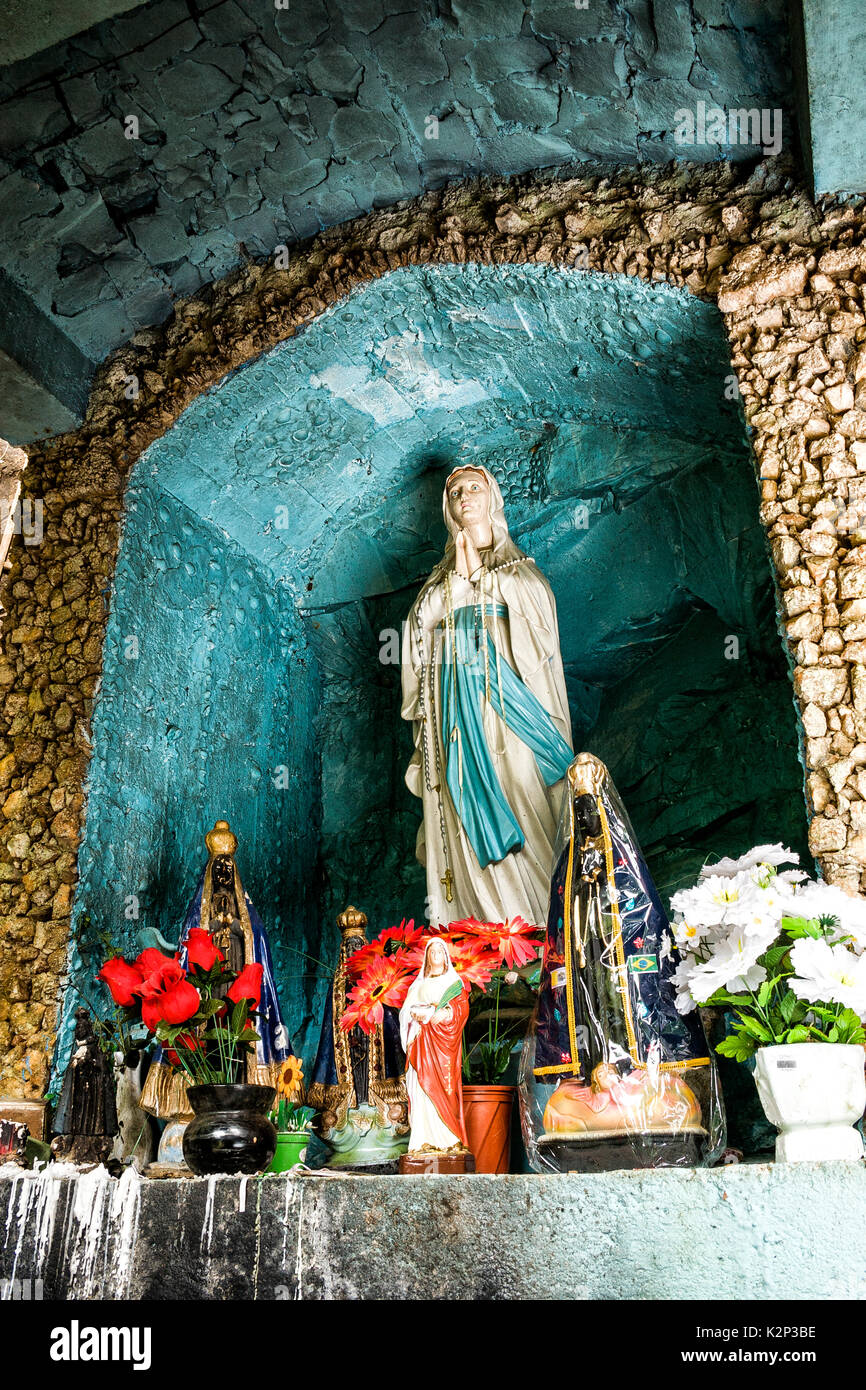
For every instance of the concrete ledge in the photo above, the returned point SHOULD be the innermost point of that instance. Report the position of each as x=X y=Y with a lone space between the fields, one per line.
x=756 y=1231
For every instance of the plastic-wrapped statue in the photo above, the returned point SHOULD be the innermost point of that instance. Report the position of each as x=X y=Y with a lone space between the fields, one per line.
x=484 y=688
x=612 y=1076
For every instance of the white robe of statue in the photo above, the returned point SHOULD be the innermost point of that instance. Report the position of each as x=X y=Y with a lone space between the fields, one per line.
x=516 y=606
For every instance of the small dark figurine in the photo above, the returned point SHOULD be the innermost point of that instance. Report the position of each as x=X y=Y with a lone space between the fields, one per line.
x=86 y=1120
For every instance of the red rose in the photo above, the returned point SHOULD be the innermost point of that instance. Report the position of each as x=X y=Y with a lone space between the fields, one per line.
x=122 y=979
x=150 y=960
x=248 y=985
x=189 y=1042
x=167 y=996
x=200 y=949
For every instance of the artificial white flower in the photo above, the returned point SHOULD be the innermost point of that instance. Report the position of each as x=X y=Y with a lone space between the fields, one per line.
x=732 y=966
x=710 y=902
x=828 y=974
x=682 y=983
x=825 y=900
x=761 y=854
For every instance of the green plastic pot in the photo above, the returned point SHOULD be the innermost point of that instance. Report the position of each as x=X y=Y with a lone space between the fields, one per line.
x=291 y=1150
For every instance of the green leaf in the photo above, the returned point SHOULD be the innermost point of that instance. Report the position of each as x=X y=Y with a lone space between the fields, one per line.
x=764 y=993
x=797 y=1035
x=787 y=1006
x=239 y=1015
x=740 y=1048
x=798 y=927
x=209 y=1007
x=774 y=956
x=755 y=1029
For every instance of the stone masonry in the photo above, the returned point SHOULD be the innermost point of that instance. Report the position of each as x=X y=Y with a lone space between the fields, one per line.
x=789 y=278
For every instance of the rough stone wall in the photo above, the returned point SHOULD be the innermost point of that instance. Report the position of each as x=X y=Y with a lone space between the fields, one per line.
x=788 y=277
x=259 y=124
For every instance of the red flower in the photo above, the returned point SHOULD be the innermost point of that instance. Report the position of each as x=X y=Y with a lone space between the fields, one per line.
x=189 y=1042
x=474 y=961
x=394 y=943
x=200 y=949
x=167 y=996
x=248 y=985
x=150 y=960
x=385 y=981
x=122 y=979
x=515 y=941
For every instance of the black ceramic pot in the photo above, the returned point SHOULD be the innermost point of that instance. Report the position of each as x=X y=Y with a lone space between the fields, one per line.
x=230 y=1131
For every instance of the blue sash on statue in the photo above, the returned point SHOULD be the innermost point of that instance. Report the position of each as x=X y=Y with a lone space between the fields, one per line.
x=467 y=680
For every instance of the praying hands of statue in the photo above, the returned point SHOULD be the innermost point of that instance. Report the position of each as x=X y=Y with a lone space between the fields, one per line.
x=468 y=559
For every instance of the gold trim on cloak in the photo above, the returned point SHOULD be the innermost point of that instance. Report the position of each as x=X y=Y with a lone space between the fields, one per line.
x=164 y=1092
x=588 y=775
x=383 y=1091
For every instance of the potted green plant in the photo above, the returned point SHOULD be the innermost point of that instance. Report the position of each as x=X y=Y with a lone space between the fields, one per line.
x=786 y=957
x=291 y=1118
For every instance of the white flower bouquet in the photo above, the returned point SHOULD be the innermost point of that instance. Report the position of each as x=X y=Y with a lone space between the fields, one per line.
x=784 y=953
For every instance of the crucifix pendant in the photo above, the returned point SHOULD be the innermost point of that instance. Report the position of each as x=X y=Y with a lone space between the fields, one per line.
x=448 y=881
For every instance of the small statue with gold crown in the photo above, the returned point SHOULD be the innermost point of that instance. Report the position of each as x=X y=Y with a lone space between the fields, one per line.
x=220 y=906
x=612 y=1076
x=358 y=1085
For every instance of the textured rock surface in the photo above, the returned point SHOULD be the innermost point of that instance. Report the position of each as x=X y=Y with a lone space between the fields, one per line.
x=322 y=463
x=709 y=229
x=724 y=1233
x=258 y=124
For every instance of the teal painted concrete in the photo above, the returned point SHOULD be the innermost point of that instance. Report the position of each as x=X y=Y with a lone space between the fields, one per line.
x=259 y=124
x=832 y=50
x=792 y=1232
x=278 y=533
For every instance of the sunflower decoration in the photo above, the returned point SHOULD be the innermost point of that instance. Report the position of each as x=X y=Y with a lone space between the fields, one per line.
x=290 y=1080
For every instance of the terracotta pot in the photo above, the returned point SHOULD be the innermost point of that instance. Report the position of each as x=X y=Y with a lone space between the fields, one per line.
x=487 y=1112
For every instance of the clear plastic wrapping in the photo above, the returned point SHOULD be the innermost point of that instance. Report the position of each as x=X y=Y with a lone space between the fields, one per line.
x=612 y=1076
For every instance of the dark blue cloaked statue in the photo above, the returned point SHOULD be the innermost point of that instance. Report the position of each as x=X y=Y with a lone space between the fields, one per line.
x=221 y=906
x=612 y=1076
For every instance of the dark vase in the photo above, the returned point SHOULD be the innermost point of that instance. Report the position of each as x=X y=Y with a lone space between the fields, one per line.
x=230 y=1131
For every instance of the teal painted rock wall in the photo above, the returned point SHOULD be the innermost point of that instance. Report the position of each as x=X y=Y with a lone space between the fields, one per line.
x=275 y=539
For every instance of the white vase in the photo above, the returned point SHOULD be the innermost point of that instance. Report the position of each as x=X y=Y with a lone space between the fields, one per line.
x=813 y=1093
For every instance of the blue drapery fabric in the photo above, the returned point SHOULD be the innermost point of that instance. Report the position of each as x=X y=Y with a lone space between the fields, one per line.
x=472 y=672
x=274 y=1044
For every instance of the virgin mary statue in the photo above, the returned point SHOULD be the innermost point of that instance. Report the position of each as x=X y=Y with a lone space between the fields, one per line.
x=484 y=688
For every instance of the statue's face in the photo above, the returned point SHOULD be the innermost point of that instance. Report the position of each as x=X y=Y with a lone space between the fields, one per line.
x=437 y=959
x=469 y=497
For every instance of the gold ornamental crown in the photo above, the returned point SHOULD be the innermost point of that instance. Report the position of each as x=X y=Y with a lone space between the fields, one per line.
x=221 y=840
x=352 y=921
x=587 y=774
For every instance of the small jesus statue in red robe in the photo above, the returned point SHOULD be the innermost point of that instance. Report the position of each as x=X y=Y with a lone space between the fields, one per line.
x=432 y=1020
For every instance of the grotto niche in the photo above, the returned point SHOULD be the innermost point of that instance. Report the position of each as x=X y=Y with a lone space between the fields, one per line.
x=274 y=539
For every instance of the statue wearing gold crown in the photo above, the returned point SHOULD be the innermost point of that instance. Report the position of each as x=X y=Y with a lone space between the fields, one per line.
x=221 y=907
x=612 y=1076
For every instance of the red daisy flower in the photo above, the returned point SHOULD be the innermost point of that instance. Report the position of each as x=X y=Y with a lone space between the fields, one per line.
x=474 y=961
x=514 y=940
x=385 y=981
x=394 y=943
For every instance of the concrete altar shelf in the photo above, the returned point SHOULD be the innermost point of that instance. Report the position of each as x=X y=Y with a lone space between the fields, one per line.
x=719 y=1234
